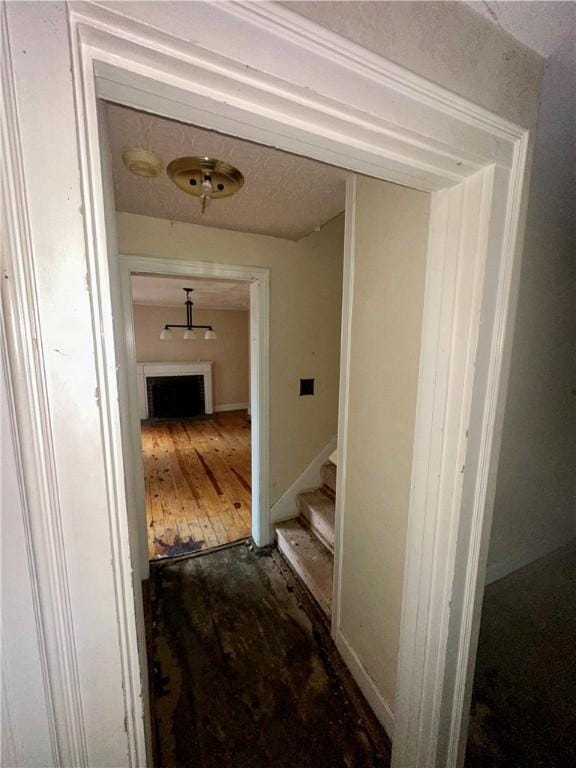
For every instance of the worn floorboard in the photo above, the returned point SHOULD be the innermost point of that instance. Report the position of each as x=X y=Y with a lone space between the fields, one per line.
x=242 y=675
x=198 y=483
x=524 y=699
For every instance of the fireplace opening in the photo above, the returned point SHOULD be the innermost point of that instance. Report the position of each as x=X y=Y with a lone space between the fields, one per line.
x=175 y=397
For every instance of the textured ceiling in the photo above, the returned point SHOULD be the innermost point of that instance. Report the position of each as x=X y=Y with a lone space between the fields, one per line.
x=208 y=294
x=283 y=195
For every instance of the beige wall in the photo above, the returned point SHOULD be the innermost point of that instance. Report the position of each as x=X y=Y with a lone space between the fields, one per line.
x=390 y=262
x=229 y=351
x=305 y=310
x=534 y=510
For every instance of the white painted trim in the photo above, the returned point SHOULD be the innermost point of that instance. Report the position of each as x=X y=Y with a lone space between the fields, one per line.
x=260 y=405
x=231 y=407
x=343 y=394
x=258 y=277
x=454 y=138
x=287 y=506
x=487 y=370
x=308 y=91
x=443 y=435
x=527 y=554
x=380 y=706
x=28 y=394
x=199 y=367
x=15 y=718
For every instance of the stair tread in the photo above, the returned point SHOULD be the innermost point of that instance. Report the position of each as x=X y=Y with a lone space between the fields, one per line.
x=309 y=559
x=319 y=510
x=328 y=473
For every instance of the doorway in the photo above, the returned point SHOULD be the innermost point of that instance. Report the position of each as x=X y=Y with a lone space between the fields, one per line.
x=245 y=423
x=285 y=224
x=360 y=651
x=317 y=526
x=338 y=103
x=194 y=402
x=305 y=267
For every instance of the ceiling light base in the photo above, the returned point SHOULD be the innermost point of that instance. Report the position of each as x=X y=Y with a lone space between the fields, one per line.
x=193 y=174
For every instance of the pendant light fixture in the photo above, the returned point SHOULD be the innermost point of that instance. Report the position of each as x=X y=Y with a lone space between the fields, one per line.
x=205 y=177
x=190 y=332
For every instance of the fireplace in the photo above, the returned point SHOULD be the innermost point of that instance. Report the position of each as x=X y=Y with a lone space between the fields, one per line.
x=175 y=397
x=185 y=370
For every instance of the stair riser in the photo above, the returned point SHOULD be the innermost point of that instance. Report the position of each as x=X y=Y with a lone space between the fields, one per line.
x=318 y=526
x=328 y=475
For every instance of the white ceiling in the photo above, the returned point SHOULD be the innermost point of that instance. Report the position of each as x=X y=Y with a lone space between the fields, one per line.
x=283 y=195
x=208 y=293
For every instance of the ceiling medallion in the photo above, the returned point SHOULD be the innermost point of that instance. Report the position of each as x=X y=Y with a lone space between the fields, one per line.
x=205 y=177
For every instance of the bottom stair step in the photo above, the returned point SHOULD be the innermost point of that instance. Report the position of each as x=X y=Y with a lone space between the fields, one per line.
x=310 y=559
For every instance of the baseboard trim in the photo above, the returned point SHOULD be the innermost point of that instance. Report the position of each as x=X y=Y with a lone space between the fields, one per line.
x=231 y=407
x=526 y=555
x=286 y=507
x=379 y=705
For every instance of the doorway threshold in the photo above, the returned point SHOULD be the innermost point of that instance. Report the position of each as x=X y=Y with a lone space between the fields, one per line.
x=169 y=559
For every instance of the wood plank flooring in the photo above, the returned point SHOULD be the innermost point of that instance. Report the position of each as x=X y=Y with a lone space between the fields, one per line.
x=243 y=674
x=198 y=483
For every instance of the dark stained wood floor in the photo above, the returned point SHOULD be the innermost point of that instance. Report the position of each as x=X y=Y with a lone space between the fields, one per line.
x=243 y=676
x=198 y=483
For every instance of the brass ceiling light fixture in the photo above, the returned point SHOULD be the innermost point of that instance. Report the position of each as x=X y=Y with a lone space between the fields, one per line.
x=205 y=177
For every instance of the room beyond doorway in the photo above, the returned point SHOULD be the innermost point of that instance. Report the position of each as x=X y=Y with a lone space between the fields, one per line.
x=197 y=476
x=216 y=280
x=194 y=425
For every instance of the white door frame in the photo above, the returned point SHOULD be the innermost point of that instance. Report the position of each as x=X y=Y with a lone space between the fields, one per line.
x=259 y=280
x=266 y=74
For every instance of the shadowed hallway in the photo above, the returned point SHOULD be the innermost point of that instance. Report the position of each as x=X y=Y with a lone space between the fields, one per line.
x=524 y=699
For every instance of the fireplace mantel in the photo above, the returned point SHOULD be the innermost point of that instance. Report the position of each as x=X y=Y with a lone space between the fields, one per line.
x=196 y=368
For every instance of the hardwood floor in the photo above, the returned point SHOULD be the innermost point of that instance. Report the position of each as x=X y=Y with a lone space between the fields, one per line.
x=244 y=676
x=198 y=483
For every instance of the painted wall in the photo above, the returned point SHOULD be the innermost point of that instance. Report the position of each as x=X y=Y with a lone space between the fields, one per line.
x=305 y=312
x=229 y=351
x=534 y=510
x=445 y=42
x=390 y=243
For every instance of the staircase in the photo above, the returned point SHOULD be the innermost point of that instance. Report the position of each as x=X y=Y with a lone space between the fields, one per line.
x=307 y=542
